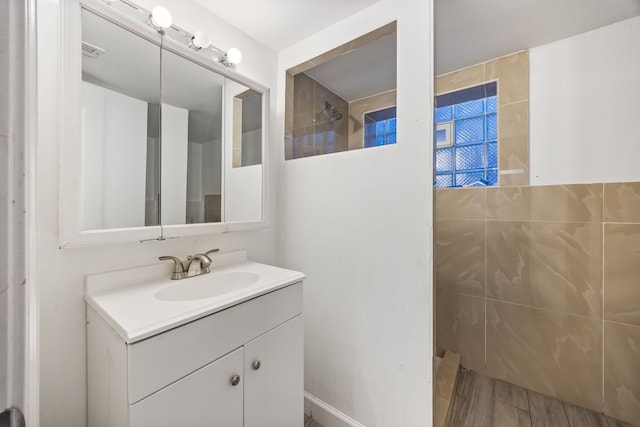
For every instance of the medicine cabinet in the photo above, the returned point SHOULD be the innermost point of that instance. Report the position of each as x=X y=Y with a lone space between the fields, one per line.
x=160 y=140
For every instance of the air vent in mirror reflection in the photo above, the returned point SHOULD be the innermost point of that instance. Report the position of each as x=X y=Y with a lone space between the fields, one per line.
x=91 y=51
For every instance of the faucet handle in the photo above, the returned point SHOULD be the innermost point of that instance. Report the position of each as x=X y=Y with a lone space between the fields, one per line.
x=212 y=251
x=178 y=267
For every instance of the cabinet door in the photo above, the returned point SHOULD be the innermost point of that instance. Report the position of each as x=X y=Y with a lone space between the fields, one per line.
x=273 y=390
x=204 y=398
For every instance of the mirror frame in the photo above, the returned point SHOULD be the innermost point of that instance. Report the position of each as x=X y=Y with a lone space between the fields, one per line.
x=70 y=218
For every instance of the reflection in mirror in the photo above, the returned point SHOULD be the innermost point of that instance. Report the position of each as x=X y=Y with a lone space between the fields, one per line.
x=120 y=126
x=243 y=153
x=192 y=98
x=247 y=129
x=156 y=119
x=335 y=101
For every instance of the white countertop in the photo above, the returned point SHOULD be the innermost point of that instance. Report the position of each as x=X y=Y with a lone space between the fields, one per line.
x=135 y=313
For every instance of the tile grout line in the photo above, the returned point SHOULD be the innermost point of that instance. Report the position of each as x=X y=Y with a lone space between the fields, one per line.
x=486 y=275
x=541 y=308
x=620 y=323
x=603 y=291
x=544 y=221
x=562 y=221
x=486 y=298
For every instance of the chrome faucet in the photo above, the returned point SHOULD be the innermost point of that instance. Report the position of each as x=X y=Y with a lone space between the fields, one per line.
x=178 y=267
x=198 y=264
x=195 y=265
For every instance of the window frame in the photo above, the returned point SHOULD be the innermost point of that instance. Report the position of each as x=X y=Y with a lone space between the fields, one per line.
x=367 y=114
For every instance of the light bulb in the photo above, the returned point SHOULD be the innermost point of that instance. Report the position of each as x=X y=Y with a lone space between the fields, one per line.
x=234 y=56
x=200 y=40
x=161 y=17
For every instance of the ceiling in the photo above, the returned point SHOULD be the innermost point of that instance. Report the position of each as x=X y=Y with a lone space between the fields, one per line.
x=466 y=31
x=129 y=65
x=472 y=31
x=278 y=24
x=342 y=74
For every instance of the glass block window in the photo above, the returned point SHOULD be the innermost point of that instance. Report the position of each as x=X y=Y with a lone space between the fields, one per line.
x=466 y=137
x=380 y=127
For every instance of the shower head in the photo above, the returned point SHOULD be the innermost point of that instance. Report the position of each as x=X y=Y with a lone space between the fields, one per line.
x=335 y=113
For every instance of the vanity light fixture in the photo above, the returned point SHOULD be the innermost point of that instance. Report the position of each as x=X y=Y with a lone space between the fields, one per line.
x=160 y=18
x=200 y=40
x=232 y=57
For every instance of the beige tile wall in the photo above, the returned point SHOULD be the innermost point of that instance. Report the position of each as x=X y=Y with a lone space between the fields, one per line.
x=304 y=100
x=308 y=120
x=540 y=287
x=512 y=74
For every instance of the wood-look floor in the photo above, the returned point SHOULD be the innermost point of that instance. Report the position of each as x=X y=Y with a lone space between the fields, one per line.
x=485 y=402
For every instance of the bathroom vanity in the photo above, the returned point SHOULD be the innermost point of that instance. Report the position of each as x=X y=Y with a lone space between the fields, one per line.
x=221 y=349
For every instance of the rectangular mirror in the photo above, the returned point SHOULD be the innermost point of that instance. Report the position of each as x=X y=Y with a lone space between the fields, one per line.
x=247 y=129
x=168 y=140
x=120 y=126
x=192 y=101
x=243 y=158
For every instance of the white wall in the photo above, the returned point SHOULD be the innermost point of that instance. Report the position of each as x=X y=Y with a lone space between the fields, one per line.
x=242 y=193
x=584 y=107
x=61 y=272
x=204 y=176
x=194 y=172
x=114 y=190
x=92 y=134
x=175 y=149
x=252 y=143
x=212 y=176
x=358 y=223
x=124 y=179
x=195 y=198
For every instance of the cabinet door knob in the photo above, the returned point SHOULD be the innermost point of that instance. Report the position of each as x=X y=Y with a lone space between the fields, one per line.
x=235 y=380
x=256 y=365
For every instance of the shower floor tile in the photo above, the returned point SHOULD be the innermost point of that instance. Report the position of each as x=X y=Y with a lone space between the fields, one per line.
x=482 y=401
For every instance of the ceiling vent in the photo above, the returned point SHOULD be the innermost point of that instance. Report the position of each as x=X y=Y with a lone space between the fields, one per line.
x=91 y=51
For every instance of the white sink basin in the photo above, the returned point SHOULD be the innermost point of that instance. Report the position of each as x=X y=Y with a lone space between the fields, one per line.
x=207 y=286
x=118 y=295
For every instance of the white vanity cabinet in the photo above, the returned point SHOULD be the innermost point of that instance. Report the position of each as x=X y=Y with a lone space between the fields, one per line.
x=273 y=377
x=241 y=366
x=203 y=398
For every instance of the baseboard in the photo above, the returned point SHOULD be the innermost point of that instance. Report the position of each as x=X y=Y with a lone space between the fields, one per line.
x=326 y=414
